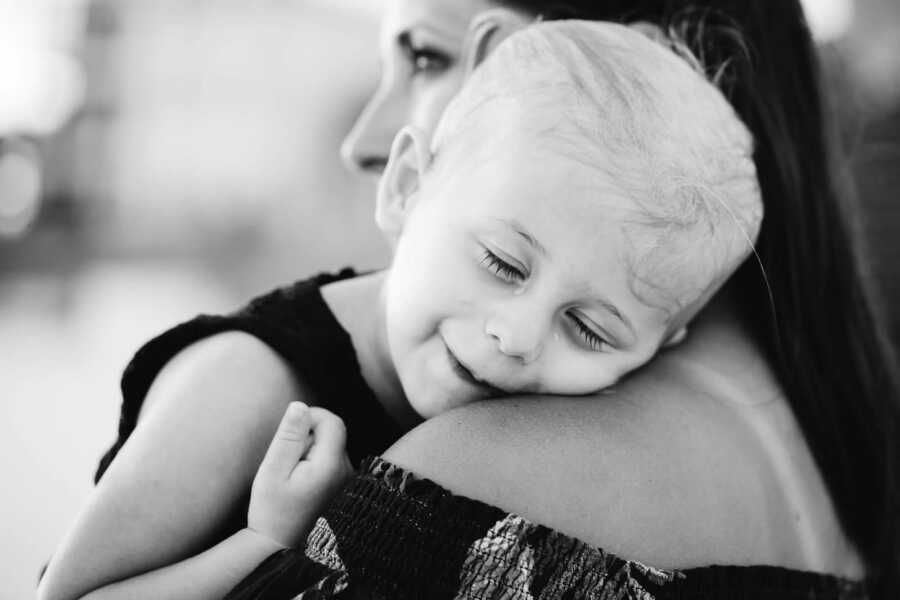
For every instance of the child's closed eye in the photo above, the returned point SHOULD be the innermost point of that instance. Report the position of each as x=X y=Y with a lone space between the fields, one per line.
x=501 y=268
x=591 y=338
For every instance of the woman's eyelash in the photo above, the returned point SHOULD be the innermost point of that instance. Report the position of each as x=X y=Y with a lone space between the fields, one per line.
x=422 y=58
x=425 y=60
x=500 y=267
x=594 y=341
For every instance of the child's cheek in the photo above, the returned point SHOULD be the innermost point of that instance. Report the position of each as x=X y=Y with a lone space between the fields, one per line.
x=576 y=373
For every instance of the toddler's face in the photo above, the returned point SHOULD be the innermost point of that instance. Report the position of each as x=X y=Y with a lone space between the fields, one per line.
x=512 y=277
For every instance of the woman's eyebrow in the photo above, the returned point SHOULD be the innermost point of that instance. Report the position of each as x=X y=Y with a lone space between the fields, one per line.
x=404 y=38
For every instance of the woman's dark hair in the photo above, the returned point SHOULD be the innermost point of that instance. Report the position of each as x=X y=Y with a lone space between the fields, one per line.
x=820 y=330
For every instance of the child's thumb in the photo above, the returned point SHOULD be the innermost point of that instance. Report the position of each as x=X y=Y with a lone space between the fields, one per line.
x=291 y=441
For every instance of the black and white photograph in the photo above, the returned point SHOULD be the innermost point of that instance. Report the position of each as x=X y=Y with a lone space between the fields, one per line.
x=450 y=299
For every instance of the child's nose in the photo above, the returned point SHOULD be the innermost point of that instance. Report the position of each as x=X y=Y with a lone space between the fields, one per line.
x=518 y=334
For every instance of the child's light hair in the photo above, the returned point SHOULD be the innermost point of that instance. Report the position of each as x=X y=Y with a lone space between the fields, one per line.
x=610 y=98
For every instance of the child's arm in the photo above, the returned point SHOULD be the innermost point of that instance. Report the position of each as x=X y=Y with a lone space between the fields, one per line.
x=303 y=468
x=205 y=576
x=188 y=466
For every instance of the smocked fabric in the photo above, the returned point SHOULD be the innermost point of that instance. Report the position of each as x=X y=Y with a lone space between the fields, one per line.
x=391 y=534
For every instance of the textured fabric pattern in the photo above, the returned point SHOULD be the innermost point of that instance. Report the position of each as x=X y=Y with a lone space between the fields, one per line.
x=393 y=535
x=519 y=560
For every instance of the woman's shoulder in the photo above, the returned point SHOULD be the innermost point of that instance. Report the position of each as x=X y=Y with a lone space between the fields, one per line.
x=639 y=478
x=675 y=468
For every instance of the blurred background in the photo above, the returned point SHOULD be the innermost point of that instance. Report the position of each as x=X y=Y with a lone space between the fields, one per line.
x=162 y=158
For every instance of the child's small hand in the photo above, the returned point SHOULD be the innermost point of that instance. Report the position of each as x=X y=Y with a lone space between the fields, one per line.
x=303 y=468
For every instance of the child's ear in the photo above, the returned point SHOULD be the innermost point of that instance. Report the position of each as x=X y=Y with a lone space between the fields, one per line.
x=401 y=180
x=676 y=338
x=488 y=29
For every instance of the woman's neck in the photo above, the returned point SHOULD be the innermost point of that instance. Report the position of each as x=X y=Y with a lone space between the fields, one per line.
x=718 y=338
x=721 y=358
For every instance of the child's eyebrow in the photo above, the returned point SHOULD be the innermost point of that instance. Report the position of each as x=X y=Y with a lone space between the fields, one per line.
x=604 y=303
x=618 y=314
x=517 y=227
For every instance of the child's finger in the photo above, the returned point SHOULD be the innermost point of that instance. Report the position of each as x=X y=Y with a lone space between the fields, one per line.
x=291 y=441
x=329 y=433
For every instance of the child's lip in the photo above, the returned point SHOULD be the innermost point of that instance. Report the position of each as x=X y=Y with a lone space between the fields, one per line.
x=468 y=375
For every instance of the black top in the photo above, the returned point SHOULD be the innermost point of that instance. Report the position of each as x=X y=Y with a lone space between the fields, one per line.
x=392 y=535
x=296 y=323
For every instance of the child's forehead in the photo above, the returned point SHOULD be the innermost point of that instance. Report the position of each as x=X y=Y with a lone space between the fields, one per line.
x=558 y=173
x=557 y=200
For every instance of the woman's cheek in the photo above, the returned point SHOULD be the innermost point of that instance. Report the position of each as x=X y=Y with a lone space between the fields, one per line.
x=431 y=102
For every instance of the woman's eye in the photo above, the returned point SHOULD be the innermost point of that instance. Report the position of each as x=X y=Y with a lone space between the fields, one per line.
x=429 y=61
x=501 y=268
x=593 y=340
x=423 y=59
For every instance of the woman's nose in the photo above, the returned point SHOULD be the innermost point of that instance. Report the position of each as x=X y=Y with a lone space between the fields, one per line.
x=367 y=146
x=519 y=334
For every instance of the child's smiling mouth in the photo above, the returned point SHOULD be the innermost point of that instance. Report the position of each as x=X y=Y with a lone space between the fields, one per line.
x=463 y=372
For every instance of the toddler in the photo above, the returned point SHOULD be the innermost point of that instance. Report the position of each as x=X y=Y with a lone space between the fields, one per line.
x=582 y=198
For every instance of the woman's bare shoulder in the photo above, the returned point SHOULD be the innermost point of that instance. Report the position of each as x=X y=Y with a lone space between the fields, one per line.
x=663 y=470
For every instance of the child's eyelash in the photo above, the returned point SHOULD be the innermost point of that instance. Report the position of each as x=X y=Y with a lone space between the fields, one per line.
x=594 y=341
x=500 y=267
x=508 y=272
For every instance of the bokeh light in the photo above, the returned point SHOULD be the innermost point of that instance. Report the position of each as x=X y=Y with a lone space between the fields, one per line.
x=829 y=19
x=41 y=81
x=20 y=189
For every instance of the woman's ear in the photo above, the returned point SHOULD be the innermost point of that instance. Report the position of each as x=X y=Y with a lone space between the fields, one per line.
x=488 y=29
x=651 y=30
x=676 y=338
x=401 y=180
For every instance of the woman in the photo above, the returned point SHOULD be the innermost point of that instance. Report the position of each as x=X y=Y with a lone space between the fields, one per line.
x=781 y=345
x=767 y=439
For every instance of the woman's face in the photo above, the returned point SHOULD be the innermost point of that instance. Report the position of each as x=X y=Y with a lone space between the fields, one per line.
x=420 y=49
